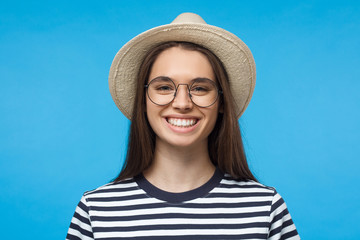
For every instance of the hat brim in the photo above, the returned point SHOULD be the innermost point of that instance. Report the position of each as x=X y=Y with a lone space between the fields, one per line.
x=234 y=54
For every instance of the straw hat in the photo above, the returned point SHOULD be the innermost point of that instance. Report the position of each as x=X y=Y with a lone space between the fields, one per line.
x=187 y=27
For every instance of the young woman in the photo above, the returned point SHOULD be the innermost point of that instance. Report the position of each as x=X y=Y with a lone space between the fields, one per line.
x=183 y=85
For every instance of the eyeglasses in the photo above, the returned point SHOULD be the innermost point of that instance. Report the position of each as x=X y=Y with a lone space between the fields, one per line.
x=203 y=92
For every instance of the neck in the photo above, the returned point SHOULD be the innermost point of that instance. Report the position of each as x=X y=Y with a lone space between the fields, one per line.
x=176 y=169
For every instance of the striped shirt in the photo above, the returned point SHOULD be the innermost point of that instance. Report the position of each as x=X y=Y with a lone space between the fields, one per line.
x=222 y=208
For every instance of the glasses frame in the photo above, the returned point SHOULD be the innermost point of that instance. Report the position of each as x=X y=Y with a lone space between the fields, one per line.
x=219 y=92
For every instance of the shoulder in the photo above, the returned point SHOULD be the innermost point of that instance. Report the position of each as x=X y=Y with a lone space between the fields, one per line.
x=234 y=185
x=113 y=188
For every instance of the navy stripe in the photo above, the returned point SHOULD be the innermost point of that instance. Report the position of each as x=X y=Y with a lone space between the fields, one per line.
x=81 y=218
x=275 y=231
x=289 y=234
x=287 y=223
x=180 y=215
x=188 y=205
x=180 y=226
x=192 y=237
x=83 y=207
x=72 y=237
x=279 y=216
x=81 y=230
x=283 y=225
x=178 y=198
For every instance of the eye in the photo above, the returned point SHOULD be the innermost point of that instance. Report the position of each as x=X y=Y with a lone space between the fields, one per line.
x=161 y=86
x=164 y=88
x=202 y=87
x=199 y=89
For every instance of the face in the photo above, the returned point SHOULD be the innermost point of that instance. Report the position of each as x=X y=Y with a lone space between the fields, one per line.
x=181 y=123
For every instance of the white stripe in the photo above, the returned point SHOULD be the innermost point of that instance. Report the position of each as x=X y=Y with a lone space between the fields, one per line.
x=284 y=231
x=118 y=186
x=84 y=226
x=230 y=200
x=297 y=237
x=182 y=232
x=240 y=190
x=115 y=194
x=134 y=202
x=277 y=197
x=166 y=210
x=242 y=183
x=78 y=234
x=288 y=229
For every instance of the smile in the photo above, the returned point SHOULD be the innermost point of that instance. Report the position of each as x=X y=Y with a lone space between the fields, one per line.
x=178 y=122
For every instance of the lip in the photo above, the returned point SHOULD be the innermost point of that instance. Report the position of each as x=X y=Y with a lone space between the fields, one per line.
x=181 y=129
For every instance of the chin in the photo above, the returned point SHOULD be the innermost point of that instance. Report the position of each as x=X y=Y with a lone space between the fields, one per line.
x=182 y=142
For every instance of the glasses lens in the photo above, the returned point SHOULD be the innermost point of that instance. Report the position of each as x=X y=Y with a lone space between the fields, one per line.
x=204 y=92
x=161 y=91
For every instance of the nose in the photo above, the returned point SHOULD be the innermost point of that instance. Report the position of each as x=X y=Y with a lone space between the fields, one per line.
x=182 y=99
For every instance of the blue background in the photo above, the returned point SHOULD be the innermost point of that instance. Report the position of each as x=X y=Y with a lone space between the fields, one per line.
x=61 y=134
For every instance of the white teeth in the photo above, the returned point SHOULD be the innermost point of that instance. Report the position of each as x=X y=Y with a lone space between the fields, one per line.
x=181 y=122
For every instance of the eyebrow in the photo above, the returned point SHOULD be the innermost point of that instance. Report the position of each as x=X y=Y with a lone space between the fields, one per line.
x=162 y=77
x=200 y=79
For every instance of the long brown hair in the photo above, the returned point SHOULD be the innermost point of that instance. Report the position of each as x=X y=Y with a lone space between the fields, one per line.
x=225 y=145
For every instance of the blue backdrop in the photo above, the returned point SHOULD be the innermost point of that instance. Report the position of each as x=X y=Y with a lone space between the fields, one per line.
x=61 y=134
